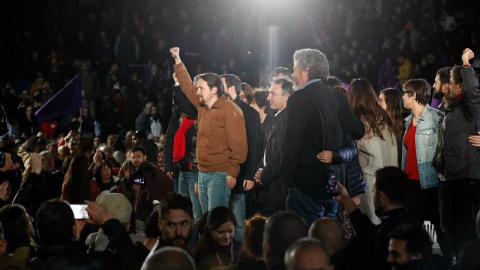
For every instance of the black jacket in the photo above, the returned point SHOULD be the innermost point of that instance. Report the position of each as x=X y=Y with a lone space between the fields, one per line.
x=273 y=186
x=317 y=118
x=183 y=105
x=390 y=220
x=74 y=256
x=254 y=134
x=349 y=154
x=39 y=188
x=456 y=158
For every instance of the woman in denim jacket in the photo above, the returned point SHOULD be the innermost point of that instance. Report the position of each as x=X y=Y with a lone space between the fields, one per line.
x=418 y=151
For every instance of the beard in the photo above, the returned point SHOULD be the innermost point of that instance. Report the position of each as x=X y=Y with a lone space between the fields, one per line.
x=438 y=94
x=201 y=100
x=178 y=241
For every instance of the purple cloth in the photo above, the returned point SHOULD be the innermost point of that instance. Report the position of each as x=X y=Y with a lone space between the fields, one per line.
x=67 y=100
x=435 y=102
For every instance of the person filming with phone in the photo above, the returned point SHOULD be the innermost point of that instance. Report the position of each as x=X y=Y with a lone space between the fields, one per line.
x=58 y=230
x=390 y=195
x=150 y=186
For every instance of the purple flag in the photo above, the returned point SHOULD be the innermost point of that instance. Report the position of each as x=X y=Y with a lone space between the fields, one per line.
x=67 y=100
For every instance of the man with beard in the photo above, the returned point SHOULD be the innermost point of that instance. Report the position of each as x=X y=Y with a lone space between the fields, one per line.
x=150 y=185
x=222 y=136
x=441 y=87
x=410 y=248
x=316 y=118
x=390 y=195
x=175 y=221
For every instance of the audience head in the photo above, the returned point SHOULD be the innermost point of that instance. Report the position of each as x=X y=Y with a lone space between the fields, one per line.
x=118 y=205
x=416 y=90
x=442 y=82
x=390 y=189
x=391 y=100
x=407 y=243
x=55 y=223
x=246 y=93
x=259 y=100
x=176 y=219
x=307 y=253
x=104 y=172
x=333 y=82
x=139 y=137
x=138 y=156
x=281 y=230
x=329 y=232
x=280 y=72
x=219 y=229
x=253 y=238
x=17 y=229
x=48 y=161
x=169 y=258
x=279 y=93
x=309 y=64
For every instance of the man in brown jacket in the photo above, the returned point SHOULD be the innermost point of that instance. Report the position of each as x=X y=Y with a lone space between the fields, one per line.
x=221 y=139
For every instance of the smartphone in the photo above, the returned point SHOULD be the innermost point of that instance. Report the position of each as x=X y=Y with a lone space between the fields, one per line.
x=79 y=211
x=332 y=184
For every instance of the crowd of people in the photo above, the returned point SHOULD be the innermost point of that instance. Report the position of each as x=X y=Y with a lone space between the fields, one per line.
x=329 y=164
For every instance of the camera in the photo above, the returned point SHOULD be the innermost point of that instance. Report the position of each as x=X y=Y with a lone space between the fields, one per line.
x=137 y=177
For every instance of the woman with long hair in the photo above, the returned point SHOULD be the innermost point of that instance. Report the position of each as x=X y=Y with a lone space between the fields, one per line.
x=391 y=101
x=378 y=148
x=77 y=187
x=216 y=246
x=106 y=181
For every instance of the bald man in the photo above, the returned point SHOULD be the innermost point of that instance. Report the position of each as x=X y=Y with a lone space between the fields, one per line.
x=169 y=258
x=329 y=232
x=281 y=230
x=307 y=253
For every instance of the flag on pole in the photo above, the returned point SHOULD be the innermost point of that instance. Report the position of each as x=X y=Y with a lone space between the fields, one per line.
x=67 y=100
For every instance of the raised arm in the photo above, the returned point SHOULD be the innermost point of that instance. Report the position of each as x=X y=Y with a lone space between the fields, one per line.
x=186 y=83
x=471 y=91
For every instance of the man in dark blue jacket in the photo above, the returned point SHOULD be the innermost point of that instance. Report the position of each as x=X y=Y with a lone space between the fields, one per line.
x=317 y=119
x=245 y=182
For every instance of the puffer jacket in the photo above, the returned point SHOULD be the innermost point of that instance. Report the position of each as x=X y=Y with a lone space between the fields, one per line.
x=348 y=154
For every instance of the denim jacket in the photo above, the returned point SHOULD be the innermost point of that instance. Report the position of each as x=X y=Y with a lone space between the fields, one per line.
x=426 y=138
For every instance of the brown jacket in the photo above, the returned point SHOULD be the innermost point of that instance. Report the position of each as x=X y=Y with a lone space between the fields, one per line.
x=222 y=137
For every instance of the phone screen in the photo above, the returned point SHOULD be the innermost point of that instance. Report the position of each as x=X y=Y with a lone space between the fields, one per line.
x=79 y=211
x=139 y=180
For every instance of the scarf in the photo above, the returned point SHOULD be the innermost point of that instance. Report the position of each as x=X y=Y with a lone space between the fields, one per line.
x=179 y=140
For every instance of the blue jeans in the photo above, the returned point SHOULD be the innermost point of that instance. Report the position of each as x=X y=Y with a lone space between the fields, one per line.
x=237 y=205
x=213 y=190
x=310 y=208
x=186 y=185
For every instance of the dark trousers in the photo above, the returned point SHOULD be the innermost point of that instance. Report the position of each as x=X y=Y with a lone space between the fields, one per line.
x=423 y=203
x=458 y=201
